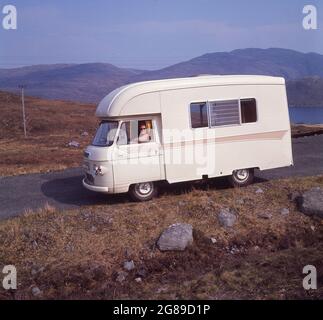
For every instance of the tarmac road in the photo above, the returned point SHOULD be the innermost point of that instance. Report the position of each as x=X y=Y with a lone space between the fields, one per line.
x=64 y=189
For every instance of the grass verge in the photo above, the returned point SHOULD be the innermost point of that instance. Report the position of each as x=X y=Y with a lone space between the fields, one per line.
x=78 y=253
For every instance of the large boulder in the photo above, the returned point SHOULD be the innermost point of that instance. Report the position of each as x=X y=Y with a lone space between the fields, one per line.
x=177 y=237
x=311 y=202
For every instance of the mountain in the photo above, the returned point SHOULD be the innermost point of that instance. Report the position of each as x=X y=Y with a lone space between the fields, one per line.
x=307 y=92
x=91 y=82
x=277 y=62
x=79 y=82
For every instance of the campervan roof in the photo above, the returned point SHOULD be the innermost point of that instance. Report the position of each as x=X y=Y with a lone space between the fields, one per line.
x=119 y=97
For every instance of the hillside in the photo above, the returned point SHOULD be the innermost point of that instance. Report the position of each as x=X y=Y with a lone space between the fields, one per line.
x=83 y=82
x=307 y=92
x=91 y=82
x=276 y=62
x=51 y=125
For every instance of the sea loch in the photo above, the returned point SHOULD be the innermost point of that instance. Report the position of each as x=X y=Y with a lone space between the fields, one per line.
x=306 y=115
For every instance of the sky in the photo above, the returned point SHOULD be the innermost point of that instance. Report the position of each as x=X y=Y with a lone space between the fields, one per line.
x=151 y=34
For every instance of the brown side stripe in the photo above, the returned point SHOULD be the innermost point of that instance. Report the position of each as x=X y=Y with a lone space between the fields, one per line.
x=274 y=135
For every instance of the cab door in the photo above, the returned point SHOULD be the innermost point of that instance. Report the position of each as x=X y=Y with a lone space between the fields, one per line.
x=138 y=153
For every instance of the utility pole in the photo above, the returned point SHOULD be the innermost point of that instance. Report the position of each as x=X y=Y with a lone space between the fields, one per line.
x=22 y=87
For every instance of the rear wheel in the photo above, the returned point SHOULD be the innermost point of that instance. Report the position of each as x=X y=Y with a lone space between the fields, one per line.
x=143 y=191
x=241 y=178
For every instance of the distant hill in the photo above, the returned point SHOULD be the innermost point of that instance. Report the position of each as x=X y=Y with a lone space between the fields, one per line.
x=79 y=82
x=276 y=62
x=91 y=82
x=307 y=92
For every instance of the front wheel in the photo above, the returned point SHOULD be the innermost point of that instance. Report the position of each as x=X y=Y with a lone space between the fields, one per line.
x=143 y=191
x=241 y=178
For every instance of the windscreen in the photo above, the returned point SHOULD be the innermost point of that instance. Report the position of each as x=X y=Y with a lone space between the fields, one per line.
x=105 y=134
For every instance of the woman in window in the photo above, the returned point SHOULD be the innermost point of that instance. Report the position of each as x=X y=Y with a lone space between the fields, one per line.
x=144 y=135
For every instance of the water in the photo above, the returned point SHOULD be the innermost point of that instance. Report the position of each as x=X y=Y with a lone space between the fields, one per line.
x=306 y=115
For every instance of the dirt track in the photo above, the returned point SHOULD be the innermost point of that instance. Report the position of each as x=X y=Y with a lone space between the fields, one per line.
x=64 y=190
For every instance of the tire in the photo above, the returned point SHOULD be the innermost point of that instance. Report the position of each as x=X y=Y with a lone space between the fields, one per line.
x=143 y=191
x=241 y=178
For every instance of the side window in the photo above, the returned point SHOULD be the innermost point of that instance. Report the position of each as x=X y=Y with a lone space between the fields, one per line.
x=199 y=115
x=136 y=131
x=224 y=113
x=248 y=110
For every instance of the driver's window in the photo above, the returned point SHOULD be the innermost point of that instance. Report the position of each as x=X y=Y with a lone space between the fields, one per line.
x=136 y=132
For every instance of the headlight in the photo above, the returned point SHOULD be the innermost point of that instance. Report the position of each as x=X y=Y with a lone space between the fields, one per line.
x=99 y=170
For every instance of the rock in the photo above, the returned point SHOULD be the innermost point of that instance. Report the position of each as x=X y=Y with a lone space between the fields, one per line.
x=265 y=215
x=108 y=220
x=284 y=212
x=86 y=216
x=121 y=276
x=69 y=248
x=213 y=240
x=227 y=218
x=74 y=144
x=84 y=134
x=138 y=279
x=142 y=272
x=177 y=237
x=259 y=191
x=240 y=202
x=162 y=289
x=294 y=196
x=35 y=271
x=36 y=291
x=34 y=244
x=234 y=250
x=313 y=228
x=129 y=265
x=95 y=271
x=311 y=202
x=93 y=229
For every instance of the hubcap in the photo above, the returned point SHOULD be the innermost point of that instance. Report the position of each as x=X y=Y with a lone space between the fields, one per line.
x=242 y=174
x=144 y=188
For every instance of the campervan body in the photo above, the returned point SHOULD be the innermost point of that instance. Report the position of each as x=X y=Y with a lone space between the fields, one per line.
x=188 y=129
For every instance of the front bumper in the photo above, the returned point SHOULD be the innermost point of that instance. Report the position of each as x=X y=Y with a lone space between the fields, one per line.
x=95 y=188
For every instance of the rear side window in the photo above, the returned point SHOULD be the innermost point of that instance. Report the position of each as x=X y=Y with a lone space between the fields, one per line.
x=199 y=118
x=224 y=113
x=248 y=110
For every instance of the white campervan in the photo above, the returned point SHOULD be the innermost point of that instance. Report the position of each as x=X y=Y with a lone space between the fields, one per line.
x=188 y=129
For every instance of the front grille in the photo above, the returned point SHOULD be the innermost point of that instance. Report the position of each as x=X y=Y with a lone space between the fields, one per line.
x=86 y=166
x=89 y=178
